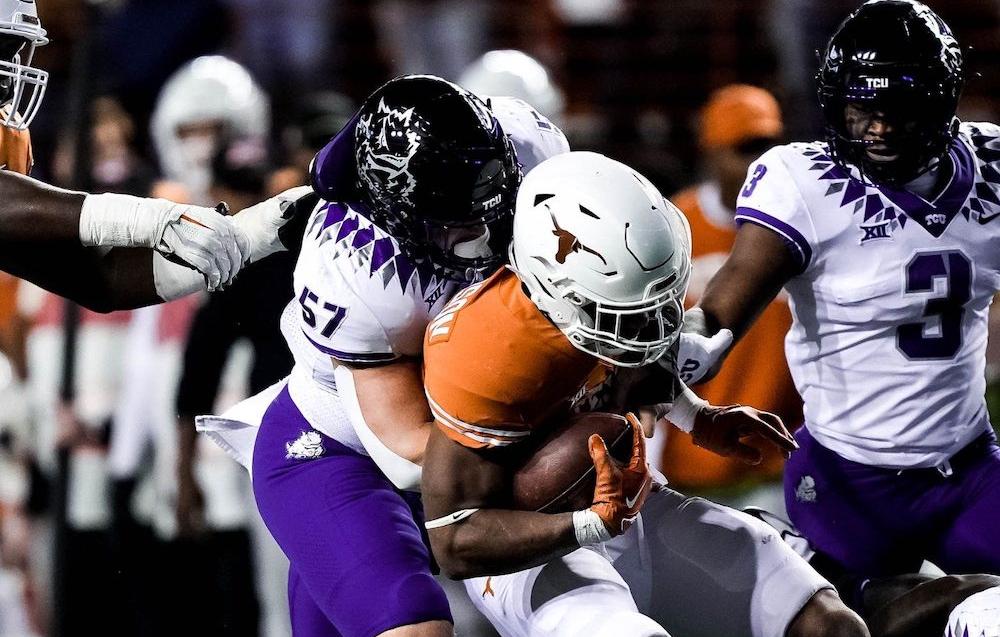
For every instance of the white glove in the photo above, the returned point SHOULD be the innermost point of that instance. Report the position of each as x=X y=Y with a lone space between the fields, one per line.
x=260 y=223
x=698 y=354
x=200 y=237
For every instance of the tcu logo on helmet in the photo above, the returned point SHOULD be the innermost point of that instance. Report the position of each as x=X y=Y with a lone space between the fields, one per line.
x=389 y=140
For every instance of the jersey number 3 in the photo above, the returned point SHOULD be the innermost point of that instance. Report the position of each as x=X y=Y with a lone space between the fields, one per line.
x=955 y=268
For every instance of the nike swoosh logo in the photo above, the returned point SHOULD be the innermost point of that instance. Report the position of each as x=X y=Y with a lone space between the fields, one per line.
x=630 y=502
x=455 y=516
x=984 y=219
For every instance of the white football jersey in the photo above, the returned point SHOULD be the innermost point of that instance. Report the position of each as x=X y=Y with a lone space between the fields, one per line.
x=888 y=341
x=360 y=299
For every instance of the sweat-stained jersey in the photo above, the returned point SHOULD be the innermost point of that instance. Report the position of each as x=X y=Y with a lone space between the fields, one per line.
x=887 y=346
x=495 y=369
x=359 y=298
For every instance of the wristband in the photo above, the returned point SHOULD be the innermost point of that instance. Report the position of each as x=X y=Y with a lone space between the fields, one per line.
x=172 y=280
x=119 y=221
x=589 y=528
x=685 y=407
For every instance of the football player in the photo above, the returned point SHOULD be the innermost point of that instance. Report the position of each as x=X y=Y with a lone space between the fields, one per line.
x=599 y=265
x=48 y=235
x=884 y=237
x=910 y=604
x=419 y=190
x=514 y=73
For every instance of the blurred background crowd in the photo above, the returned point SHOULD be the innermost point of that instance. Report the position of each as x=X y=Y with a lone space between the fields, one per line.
x=115 y=519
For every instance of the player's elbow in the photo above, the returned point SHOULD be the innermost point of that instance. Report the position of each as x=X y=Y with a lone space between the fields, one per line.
x=455 y=557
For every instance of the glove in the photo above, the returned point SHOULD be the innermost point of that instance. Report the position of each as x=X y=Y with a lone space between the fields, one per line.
x=276 y=224
x=208 y=242
x=721 y=430
x=620 y=492
x=697 y=355
x=200 y=238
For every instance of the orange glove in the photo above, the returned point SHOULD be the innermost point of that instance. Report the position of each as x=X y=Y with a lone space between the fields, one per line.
x=620 y=491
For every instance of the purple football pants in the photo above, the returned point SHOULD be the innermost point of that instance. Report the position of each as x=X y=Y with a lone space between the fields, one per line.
x=876 y=521
x=359 y=565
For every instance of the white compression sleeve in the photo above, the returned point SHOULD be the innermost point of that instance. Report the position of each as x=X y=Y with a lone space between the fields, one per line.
x=685 y=407
x=123 y=220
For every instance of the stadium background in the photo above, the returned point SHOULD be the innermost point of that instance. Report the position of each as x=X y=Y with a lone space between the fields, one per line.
x=634 y=74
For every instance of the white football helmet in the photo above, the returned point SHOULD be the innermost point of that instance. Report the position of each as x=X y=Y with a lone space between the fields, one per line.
x=209 y=89
x=977 y=616
x=22 y=86
x=603 y=255
x=512 y=73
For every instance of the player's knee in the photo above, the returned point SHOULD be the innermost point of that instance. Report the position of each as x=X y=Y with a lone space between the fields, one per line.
x=627 y=623
x=825 y=615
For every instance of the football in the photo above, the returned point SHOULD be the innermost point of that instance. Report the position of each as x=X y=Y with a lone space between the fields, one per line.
x=558 y=474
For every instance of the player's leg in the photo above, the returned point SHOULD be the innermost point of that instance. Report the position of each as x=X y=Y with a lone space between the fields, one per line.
x=350 y=537
x=306 y=616
x=861 y=517
x=918 y=605
x=970 y=545
x=578 y=594
x=702 y=556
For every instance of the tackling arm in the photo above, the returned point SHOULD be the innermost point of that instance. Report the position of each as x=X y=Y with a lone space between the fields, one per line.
x=759 y=264
x=48 y=236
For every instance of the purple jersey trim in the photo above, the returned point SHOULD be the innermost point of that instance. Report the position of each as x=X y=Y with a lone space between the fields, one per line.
x=794 y=238
x=352 y=357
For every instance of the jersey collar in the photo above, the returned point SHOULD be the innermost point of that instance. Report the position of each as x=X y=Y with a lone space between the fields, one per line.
x=935 y=214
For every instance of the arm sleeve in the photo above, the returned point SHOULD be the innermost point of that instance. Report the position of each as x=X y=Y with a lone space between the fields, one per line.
x=770 y=198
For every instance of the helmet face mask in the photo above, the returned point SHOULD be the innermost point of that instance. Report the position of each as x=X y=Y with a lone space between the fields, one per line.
x=895 y=59
x=629 y=334
x=438 y=173
x=603 y=255
x=22 y=86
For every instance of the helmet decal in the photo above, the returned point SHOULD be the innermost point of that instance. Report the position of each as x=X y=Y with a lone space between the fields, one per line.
x=390 y=141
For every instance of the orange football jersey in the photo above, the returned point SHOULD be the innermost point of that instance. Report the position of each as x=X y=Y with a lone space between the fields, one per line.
x=755 y=372
x=495 y=369
x=15 y=150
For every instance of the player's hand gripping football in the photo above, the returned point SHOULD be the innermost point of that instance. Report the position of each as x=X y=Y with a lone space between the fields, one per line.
x=740 y=432
x=620 y=491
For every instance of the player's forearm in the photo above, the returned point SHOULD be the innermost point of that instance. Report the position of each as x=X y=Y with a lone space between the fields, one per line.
x=497 y=541
x=33 y=211
x=757 y=268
